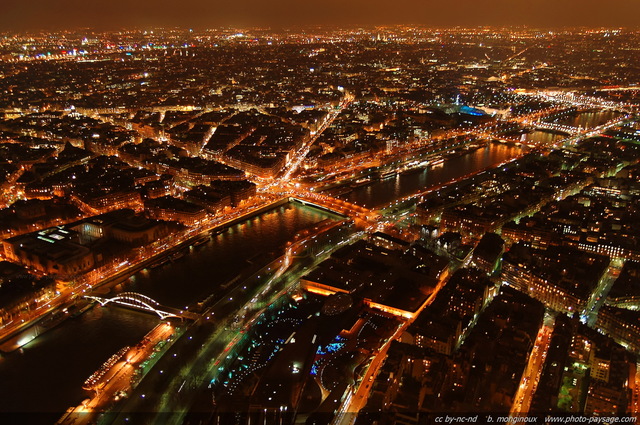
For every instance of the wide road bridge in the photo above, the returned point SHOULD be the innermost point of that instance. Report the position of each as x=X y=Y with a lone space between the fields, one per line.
x=569 y=129
x=337 y=205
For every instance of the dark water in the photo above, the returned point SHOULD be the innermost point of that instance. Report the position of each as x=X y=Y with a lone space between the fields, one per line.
x=588 y=119
x=202 y=271
x=382 y=192
x=48 y=374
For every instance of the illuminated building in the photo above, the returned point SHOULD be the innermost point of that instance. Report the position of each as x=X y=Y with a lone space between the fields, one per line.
x=138 y=231
x=159 y=188
x=471 y=221
x=561 y=277
x=99 y=201
x=238 y=190
x=385 y=280
x=262 y=162
x=55 y=251
x=488 y=252
x=603 y=400
x=527 y=231
x=625 y=292
x=205 y=196
x=439 y=333
x=197 y=171
x=389 y=242
x=621 y=324
x=21 y=292
x=172 y=209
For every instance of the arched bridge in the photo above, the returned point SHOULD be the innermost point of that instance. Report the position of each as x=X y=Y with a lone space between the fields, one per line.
x=142 y=302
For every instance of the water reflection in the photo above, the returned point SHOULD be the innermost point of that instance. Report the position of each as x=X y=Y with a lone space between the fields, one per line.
x=385 y=191
x=195 y=276
x=588 y=119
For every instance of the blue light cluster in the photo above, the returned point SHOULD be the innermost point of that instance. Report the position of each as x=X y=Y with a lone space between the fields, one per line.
x=471 y=111
x=331 y=348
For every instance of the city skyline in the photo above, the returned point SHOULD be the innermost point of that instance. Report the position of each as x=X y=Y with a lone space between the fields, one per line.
x=202 y=14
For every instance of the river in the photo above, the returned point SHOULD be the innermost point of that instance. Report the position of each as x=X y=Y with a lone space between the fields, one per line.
x=588 y=119
x=45 y=377
x=385 y=191
x=382 y=192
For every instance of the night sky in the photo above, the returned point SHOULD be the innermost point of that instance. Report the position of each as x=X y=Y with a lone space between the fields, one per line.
x=117 y=14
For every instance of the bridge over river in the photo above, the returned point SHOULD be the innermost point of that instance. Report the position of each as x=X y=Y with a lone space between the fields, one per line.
x=144 y=303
